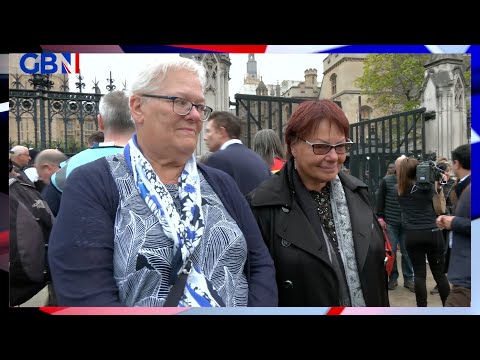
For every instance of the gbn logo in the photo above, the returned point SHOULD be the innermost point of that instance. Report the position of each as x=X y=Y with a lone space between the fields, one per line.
x=48 y=63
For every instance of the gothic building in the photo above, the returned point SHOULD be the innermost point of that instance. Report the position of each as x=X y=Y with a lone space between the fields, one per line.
x=269 y=108
x=446 y=92
x=339 y=74
x=216 y=90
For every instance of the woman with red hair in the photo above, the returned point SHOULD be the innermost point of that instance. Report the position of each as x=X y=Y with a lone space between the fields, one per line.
x=326 y=243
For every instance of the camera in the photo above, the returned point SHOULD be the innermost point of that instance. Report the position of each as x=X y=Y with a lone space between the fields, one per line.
x=427 y=173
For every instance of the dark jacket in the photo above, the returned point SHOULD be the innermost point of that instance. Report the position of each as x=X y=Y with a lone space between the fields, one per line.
x=23 y=177
x=247 y=168
x=30 y=225
x=459 y=270
x=462 y=185
x=388 y=206
x=305 y=276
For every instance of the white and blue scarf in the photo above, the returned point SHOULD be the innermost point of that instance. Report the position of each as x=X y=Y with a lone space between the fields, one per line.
x=185 y=229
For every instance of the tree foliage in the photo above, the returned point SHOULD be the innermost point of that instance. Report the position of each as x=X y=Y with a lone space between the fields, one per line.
x=393 y=82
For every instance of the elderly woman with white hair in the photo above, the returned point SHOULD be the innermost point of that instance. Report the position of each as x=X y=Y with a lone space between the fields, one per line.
x=151 y=226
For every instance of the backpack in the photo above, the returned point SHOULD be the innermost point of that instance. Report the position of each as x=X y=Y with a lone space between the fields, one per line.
x=30 y=224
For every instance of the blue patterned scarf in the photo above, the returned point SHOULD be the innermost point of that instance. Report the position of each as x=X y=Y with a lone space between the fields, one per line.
x=185 y=229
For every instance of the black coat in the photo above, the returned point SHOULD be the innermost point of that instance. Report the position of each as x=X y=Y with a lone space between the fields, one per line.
x=305 y=276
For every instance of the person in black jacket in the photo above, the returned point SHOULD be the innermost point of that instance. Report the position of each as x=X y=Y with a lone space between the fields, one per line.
x=390 y=217
x=327 y=244
x=422 y=237
x=31 y=221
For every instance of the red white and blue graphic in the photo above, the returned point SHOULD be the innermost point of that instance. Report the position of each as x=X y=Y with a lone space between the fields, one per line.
x=50 y=63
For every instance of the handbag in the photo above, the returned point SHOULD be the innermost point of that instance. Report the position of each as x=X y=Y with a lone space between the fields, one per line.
x=439 y=202
x=389 y=254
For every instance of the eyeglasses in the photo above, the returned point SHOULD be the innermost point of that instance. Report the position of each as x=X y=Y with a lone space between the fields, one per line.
x=183 y=107
x=324 y=148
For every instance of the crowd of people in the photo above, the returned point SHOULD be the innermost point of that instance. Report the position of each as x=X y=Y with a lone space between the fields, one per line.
x=137 y=219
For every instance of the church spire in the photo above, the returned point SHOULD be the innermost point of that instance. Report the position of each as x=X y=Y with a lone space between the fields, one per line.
x=252 y=66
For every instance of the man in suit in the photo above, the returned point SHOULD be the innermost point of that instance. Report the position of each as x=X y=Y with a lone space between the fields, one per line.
x=222 y=135
x=459 y=268
x=461 y=167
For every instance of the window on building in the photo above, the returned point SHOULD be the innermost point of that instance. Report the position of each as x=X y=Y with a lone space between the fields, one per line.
x=71 y=131
x=70 y=127
x=23 y=130
x=27 y=130
x=458 y=95
x=88 y=129
x=366 y=112
x=333 y=81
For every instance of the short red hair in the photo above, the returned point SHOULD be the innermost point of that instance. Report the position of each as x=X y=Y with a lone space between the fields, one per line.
x=308 y=115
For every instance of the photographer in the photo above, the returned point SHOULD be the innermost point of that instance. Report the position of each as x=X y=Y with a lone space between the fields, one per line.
x=448 y=186
x=418 y=219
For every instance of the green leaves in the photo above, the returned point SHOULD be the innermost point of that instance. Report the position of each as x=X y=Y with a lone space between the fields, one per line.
x=393 y=81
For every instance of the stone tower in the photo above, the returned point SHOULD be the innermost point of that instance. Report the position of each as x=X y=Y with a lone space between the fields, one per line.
x=252 y=66
x=311 y=77
x=444 y=91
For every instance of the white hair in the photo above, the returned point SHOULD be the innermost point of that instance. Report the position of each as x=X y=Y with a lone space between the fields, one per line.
x=18 y=149
x=150 y=79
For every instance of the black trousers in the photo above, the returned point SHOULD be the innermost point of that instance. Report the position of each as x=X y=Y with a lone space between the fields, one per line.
x=447 y=250
x=427 y=244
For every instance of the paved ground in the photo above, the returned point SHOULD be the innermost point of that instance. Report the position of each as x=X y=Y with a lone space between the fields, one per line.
x=402 y=297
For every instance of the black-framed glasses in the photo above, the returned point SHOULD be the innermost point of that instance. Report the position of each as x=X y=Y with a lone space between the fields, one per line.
x=183 y=107
x=323 y=148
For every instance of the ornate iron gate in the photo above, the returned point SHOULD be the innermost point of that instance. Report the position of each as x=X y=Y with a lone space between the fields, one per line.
x=263 y=112
x=53 y=114
x=379 y=142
